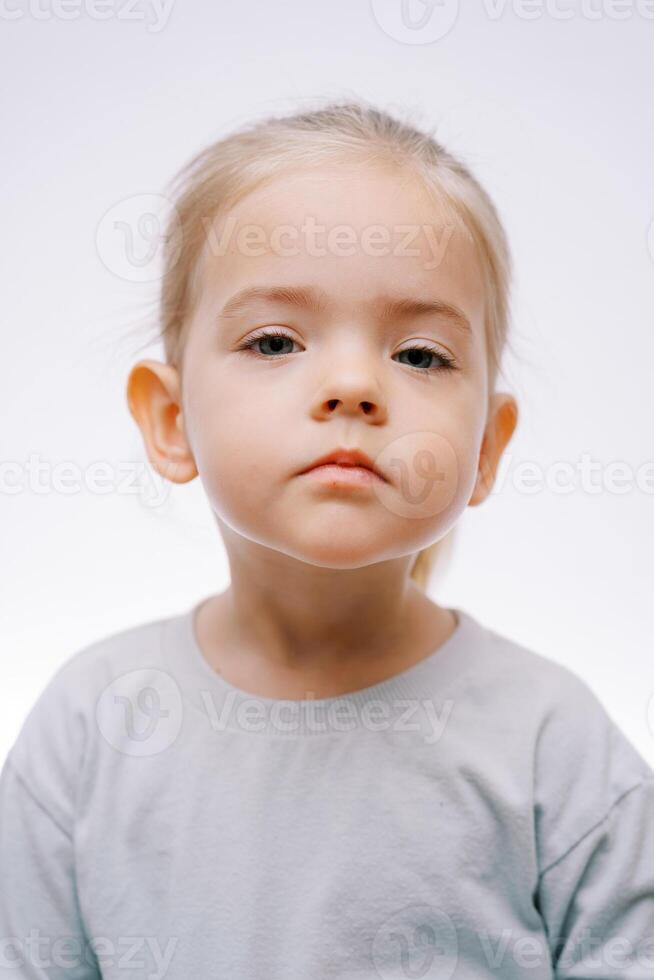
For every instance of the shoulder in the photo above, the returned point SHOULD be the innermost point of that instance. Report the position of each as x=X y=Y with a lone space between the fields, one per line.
x=560 y=701
x=522 y=670
x=73 y=688
x=58 y=735
x=583 y=764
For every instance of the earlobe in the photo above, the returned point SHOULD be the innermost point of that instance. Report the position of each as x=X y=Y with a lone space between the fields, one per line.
x=502 y=421
x=485 y=479
x=154 y=400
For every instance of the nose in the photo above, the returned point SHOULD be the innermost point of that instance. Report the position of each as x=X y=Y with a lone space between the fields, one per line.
x=351 y=389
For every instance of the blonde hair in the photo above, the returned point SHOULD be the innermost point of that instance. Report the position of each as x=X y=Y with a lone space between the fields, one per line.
x=234 y=166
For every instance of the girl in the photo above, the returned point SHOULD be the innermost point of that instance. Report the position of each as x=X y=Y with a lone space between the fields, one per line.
x=321 y=772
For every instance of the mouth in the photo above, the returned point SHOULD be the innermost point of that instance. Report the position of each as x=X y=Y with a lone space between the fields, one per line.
x=335 y=475
x=345 y=466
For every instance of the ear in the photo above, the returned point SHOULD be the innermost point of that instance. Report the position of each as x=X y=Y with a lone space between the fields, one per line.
x=154 y=399
x=502 y=420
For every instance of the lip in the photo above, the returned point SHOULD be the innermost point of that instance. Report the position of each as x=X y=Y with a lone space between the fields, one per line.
x=344 y=477
x=346 y=464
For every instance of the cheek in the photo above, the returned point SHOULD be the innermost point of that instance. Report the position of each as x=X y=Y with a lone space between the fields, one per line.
x=232 y=466
x=427 y=473
x=433 y=463
x=236 y=455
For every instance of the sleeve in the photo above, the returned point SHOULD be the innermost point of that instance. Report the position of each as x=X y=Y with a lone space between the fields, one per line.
x=42 y=932
x=595 y=831
x=598 y=898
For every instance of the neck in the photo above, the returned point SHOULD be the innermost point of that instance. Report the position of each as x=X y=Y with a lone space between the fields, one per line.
x=284 y=626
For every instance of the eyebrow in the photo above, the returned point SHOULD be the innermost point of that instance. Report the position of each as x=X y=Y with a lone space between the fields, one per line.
x=308 y=297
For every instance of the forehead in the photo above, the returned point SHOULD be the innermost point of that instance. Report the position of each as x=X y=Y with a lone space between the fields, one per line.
x=354 y=231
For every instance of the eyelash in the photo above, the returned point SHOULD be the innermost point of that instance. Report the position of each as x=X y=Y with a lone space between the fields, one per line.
x=447 y=365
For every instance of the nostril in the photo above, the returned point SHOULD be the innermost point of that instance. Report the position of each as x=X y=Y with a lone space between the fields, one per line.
x=366 y=406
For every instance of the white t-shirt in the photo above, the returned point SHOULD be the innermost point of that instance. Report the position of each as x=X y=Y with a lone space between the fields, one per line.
x=477 y=815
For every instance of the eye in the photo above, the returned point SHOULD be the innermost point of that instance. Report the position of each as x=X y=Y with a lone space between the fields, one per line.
x=446 y=363
x=274 y=338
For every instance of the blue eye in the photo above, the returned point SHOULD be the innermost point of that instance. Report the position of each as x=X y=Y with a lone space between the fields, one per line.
x=275 y=339
x=276 y=336
x=446 y=362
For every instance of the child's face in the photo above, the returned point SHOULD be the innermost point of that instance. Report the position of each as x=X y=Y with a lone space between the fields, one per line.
x=253 y=419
